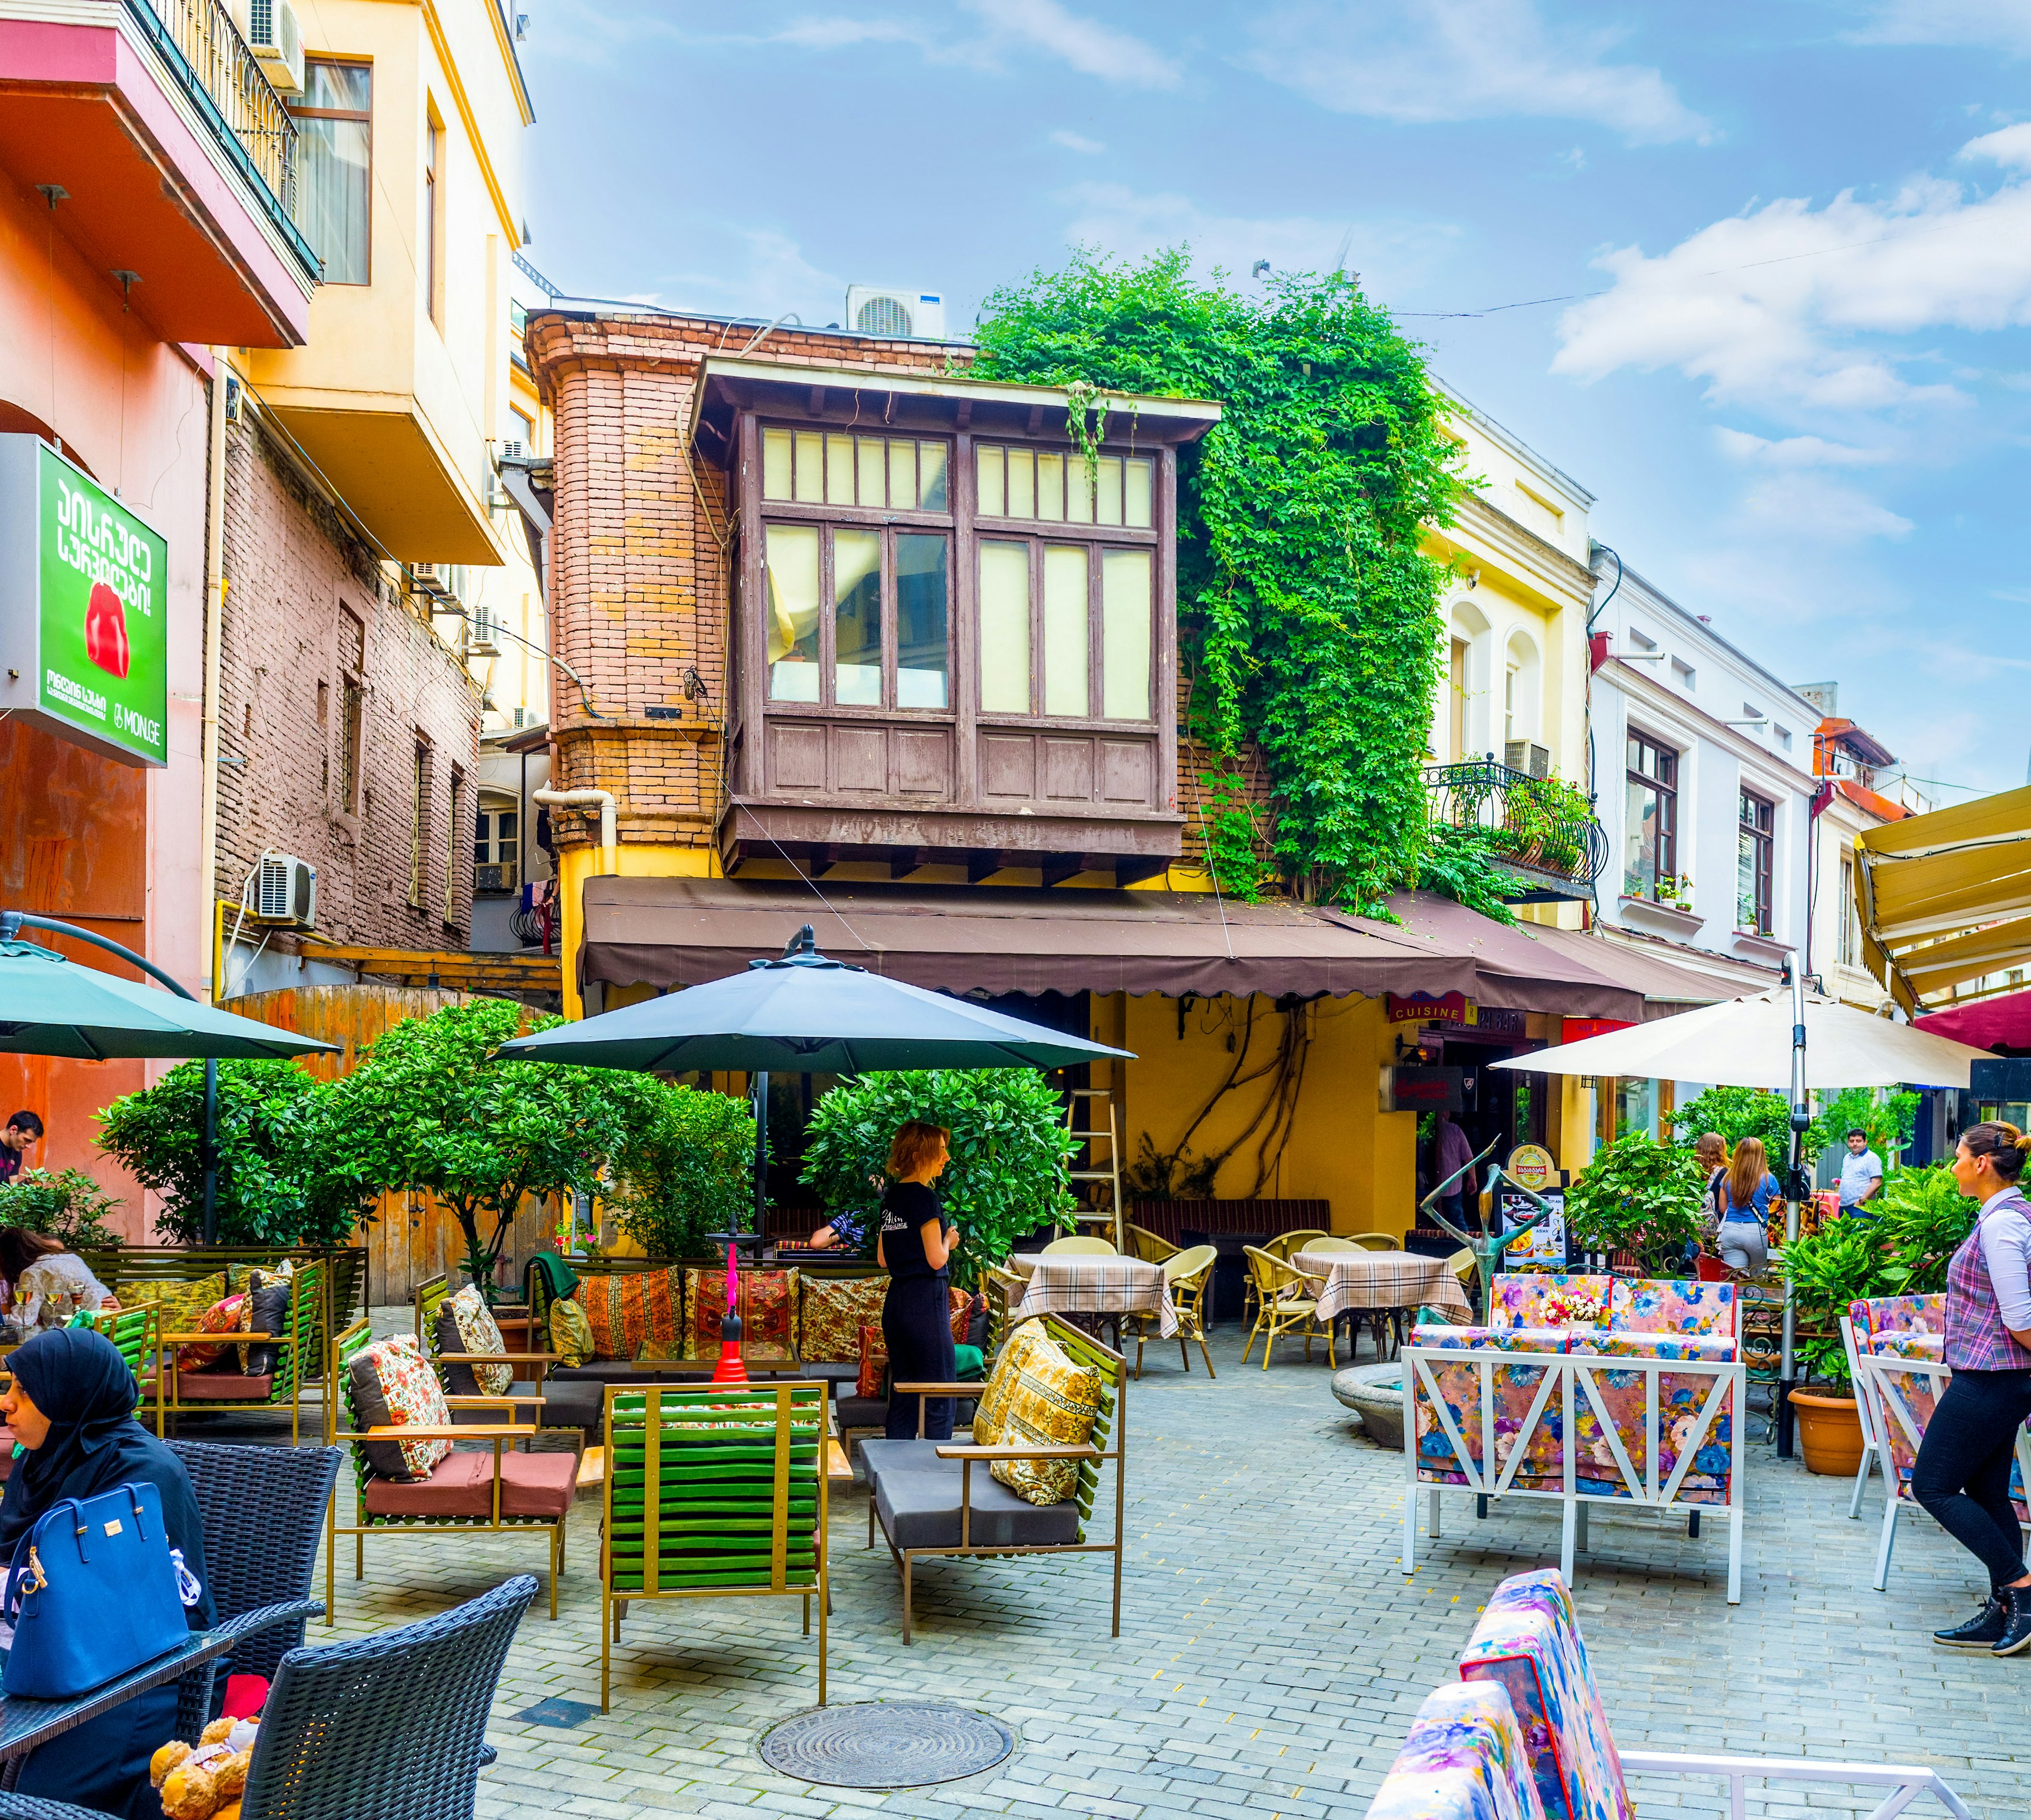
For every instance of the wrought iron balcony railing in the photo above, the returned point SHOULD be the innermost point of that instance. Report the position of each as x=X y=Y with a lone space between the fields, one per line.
x=1541 y=829
x=210 y=62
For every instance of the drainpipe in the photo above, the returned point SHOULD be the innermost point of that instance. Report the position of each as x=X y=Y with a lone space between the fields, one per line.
x=586 y=799
x=215 y=616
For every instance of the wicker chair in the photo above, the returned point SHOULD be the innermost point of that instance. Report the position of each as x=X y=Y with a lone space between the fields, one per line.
x=260 y=1571
x=1284 y=1304
x=1086 y=1246
x=1187 y=1275
x=392 y=1725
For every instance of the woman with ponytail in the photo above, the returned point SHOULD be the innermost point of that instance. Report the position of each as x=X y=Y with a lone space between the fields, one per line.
x=1962 y=1473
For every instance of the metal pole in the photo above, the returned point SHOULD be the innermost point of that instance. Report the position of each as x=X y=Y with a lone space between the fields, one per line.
x=1793 y=1190
x=13 y=922
x=761 y=1152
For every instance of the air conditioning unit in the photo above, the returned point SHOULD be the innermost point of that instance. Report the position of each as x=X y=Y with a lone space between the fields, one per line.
x=272 y=34
x=1522 y=756
x=286 y=892
x=910 y=316
x=486 y=640
x=430 y=578
x=494 y=876
x=511 y=451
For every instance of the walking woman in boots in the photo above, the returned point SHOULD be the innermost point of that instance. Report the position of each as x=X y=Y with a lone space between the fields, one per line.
x=1963 y=1472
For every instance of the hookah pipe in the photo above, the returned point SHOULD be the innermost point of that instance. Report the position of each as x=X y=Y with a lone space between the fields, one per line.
x=1488 y=1246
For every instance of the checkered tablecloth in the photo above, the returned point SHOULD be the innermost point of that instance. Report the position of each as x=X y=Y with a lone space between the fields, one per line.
x=1351 y=1280
x=1091 y=1283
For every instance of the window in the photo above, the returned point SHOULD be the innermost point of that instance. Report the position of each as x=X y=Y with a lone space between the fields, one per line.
x=352 y=708
x=1688 y=676
x=453 y=822
x=497 y=850
x=419 y=806
x=324 y=738
x=1016 y=613
x=1848 y=951
x=525 y=429
x=334 y=164
x=433 y=153
x=1650 y=829
x=1457 y=701
x=1062 y=489
x=1755 y=843
x=824 y=468
x=1509 y=703
x=887 y=591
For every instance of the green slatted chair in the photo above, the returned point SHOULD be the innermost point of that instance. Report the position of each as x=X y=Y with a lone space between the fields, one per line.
x=729 y=1501
x=928 y=1501
x=138 y=1334
x=300 y=1351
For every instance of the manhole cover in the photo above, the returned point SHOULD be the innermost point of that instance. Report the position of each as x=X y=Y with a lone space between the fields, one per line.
x=885 y=1745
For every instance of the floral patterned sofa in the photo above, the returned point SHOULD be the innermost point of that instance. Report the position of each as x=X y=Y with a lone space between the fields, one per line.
x=1491 y=1406
x=1523 y=1734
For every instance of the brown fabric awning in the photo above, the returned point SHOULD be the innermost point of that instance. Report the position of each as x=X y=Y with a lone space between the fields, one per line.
x=671 y=932
x=1669 y=984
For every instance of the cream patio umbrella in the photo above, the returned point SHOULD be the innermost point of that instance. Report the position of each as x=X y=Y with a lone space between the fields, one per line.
x=1747 y=1043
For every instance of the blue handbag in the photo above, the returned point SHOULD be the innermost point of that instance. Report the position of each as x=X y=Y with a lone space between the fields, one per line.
x=92 y=1594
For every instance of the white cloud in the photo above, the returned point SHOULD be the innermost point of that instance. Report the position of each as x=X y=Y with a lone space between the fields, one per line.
x=1389 y=256
x=1787 y=302
x=750 y=272
x=1077 y=142
x=1418 y=62
x=1812 y=507
x=1996 y=24
x=837 y=34
x=1089 y=47
x=1795 y=451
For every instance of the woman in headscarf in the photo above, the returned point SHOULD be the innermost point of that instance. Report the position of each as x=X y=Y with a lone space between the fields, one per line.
x=71 y=1407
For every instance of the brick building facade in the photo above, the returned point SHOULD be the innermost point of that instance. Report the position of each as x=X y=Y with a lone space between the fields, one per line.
x=348 y=731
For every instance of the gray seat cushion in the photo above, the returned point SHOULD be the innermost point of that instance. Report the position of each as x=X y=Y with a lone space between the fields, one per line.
x=917 y=1499
x=574 y=1405
x=863 y=1411
x=620 y=1371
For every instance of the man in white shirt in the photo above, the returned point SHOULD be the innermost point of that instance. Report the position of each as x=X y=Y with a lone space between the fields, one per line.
x=1861 y=1173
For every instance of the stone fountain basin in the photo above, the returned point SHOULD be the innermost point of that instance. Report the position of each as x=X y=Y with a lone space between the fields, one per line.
x=1375 y=1393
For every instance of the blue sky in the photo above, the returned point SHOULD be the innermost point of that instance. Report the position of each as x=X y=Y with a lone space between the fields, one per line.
x=1795 y=237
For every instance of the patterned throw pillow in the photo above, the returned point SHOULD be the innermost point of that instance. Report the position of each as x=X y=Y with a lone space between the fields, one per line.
x=771 y=1296
x=634 y=1314
x=961 y=1314
x=480 y=1333
x=993 y=1407
x=872 y=1383
x=182 y=1304
x=832 y=1311
x=229 y=1316
x=393 y=1386
x=1052 y=1403
x=571 y=1334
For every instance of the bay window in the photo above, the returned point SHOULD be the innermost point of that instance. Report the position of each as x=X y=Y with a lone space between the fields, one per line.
x=887 y=595
x=1065 y=630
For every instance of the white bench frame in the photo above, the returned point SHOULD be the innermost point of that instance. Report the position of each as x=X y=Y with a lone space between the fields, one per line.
x=1905 y=1782
x=1572 y=1376
x=1875 y=1447
x=1872 y=1391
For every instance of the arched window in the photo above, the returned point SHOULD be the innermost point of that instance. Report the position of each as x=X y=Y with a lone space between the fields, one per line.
x=1523 y=696
x=1464 y=729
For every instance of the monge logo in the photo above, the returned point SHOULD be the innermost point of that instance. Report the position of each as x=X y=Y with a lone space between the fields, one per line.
x=106 y=630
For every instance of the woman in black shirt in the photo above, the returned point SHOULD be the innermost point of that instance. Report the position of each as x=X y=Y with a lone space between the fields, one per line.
x=915 y=1246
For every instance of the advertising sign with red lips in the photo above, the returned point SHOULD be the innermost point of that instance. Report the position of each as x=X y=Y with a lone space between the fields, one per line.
x=83 y=607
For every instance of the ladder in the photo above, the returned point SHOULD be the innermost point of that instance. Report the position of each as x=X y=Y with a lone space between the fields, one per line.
x=1113 y=1213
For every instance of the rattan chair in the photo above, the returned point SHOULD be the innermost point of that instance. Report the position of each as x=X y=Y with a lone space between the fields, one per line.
x=1080 y=1246
x=1284 y=1304
x=263 y=1510
x=1376 y=1242
x=1331 y=1244
x=1288 y=1244
x=1151 y=1247
x=1187 y=1275
x=392 y=1725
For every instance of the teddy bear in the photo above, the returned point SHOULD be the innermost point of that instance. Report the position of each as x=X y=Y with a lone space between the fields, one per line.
x=204 y=1784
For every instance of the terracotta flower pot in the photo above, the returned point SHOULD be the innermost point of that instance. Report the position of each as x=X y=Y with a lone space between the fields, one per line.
x=1829 y=1433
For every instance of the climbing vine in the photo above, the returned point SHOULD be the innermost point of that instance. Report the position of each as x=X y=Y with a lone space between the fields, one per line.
x=1308 y=611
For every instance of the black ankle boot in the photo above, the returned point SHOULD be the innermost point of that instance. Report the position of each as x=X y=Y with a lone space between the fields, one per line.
x=2017 y=1623
x=1982 y=1632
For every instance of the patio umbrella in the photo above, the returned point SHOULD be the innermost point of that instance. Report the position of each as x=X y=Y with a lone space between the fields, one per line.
x=1747 y=1043
x=51 y=1005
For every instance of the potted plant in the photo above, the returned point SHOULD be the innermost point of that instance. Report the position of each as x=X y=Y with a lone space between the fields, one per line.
x=1842 y=1262
x=67 y=1204
x=1639 y=1196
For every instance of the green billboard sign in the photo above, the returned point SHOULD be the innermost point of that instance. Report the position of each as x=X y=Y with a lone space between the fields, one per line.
x=83 y=607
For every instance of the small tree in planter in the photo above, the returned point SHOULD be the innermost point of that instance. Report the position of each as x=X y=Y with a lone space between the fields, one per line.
x=281 y=1173
x=685 y=1169
x=1737 y=1113
x=69 y=1206
x=1009 y=1147
x=1637 y=1195
x=431 y=1108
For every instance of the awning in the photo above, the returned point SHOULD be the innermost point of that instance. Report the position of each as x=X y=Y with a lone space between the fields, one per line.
x=1943 y=897
x=666 y=933
x=1671 y=977
x=2001 y=1023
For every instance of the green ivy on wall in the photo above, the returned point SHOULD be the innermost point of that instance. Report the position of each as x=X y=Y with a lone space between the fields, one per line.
x=1308 y=613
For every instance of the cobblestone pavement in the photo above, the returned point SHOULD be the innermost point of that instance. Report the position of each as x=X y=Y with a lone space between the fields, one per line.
x=1272 y=1653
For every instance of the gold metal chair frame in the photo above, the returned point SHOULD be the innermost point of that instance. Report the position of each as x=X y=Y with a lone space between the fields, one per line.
x=1277 y=1313
x=1188 y=1295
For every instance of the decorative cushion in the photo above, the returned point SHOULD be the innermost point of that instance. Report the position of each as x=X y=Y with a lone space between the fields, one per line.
x=1671 y=1305
x=1909 y=1345
x=1052 y=1403
x=1717 y=1348
x=229 y=1315
x=224 y=1386
x=268 y=1296
x=1492 y=1339
x=394 y=1387
x=634 y=1314
x=476 y=1329
x=1526 y=1299
x=772 y=1297
x=1465 y=1760
x=961 y=1314
x=1528 y=1640
x=538 y=1485
x=182 y=1304
x=831 y=1312
x=571 y=1333
x=1885 y=1314
x=1514 y=1390
x=873 y=1381
x=987 y=1419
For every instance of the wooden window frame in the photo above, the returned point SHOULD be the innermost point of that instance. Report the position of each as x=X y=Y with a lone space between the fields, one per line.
x=434 y=138
x=367 y=118
x=1762 y=834
x=1092 y=720
x=1666 y=791
x=888 y=528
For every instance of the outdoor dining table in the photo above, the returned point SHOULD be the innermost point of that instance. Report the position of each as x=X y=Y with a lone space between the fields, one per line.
x=27 y=1724
x=1351 y=1282
x=1087 y=1283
